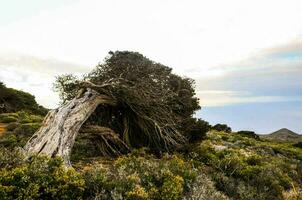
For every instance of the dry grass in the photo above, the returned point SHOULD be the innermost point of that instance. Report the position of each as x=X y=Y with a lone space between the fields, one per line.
x=2 y=129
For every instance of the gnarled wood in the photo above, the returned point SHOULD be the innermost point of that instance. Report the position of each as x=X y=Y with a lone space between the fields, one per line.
x=61 y=126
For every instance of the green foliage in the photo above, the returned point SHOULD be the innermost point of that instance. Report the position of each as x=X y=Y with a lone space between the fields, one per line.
x=249 y=168
x=141 y=176
x=222 y=166
x=298 y=144
x=136 y=176
x=20 y=130
x=7 y=119
x=222 y=127
x=15 y=100
x=172 y=187
x=195 y=129
x=250 y=134
x=39 y=178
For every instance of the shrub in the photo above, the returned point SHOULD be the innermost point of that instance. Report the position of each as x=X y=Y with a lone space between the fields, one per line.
x=203 y=189
x=8 y=119
x=250 y=134
x=140 y=176
x=27 y=129
x=172 y=187
x=195 y=129
x=10 y=158
x=12 y=126
x=222 y=127
x=138 y=193
x=40 y=178
x=298 y=144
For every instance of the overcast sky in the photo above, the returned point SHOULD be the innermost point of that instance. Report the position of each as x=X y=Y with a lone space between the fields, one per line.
x=246 y=56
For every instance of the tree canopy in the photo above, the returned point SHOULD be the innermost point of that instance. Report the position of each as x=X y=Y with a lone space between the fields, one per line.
x=151 y=103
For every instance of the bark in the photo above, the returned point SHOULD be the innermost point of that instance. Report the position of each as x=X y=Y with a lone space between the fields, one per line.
x=60 y=127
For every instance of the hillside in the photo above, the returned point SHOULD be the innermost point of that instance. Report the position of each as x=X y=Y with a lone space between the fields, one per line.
x=221 y=166
x=284 y=135
x=12 y=100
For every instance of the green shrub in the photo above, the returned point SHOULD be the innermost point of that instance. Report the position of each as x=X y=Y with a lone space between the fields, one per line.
x=10 y=158
x=222 y=127
x=172 y=188
x=40 y=178
x=27 y=129
x=195 y=129
x=250 y=134
x=140 y=176
x=138 y=193
x=8 y=119
x=12 y=126
x=298 y=144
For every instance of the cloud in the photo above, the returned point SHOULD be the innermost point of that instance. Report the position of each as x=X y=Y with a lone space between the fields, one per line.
x=20 y=61
x=270 y=75
x=35 y=75
x=215 y=98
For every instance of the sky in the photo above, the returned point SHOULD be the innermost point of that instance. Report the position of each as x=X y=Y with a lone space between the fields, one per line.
x=245 y=55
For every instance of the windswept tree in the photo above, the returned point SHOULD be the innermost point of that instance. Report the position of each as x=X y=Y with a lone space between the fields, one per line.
x=127 y=101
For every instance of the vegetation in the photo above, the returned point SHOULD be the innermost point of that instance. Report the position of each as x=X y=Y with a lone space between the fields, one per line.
x=12 y=100
x=20 y=127
x=250 y=134
x=222 y=127
x=220 y=166
x=135 y=176
x=247 y=168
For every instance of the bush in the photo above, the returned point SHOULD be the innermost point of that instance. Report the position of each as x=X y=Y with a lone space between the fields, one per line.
x=298 y=144
x=8 y=119
x=12 y=126
x=203 y=189
x=18 y=133
x=195 y=129
x=39 y=178
x=250 y=134
x=140 y=176
x=248 y=168
x=172 y=187
x=222 y=127
x=27 y=129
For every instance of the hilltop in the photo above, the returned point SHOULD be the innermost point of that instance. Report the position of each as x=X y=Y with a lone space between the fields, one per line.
x=284 y=135
x=12 y=100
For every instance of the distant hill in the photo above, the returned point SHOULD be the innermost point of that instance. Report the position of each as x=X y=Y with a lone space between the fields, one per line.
x=284 y=135
x=12 y=100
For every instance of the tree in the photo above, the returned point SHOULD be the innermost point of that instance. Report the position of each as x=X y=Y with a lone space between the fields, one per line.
x=137 y=101
x=222 y=127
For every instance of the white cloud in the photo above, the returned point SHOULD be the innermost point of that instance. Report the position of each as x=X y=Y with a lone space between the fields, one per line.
x=35 y=75
x=209 y=40
x=215 y=98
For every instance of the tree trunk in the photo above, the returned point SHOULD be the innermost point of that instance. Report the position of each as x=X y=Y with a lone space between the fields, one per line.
x=61 y=126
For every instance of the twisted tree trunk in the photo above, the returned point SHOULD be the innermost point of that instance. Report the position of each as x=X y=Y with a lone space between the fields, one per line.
x=61 y=126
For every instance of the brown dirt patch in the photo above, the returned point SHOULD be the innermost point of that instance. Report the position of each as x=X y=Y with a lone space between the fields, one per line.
x=2 y=129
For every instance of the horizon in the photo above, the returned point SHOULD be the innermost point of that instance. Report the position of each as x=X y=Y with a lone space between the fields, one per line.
x=247 y=66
